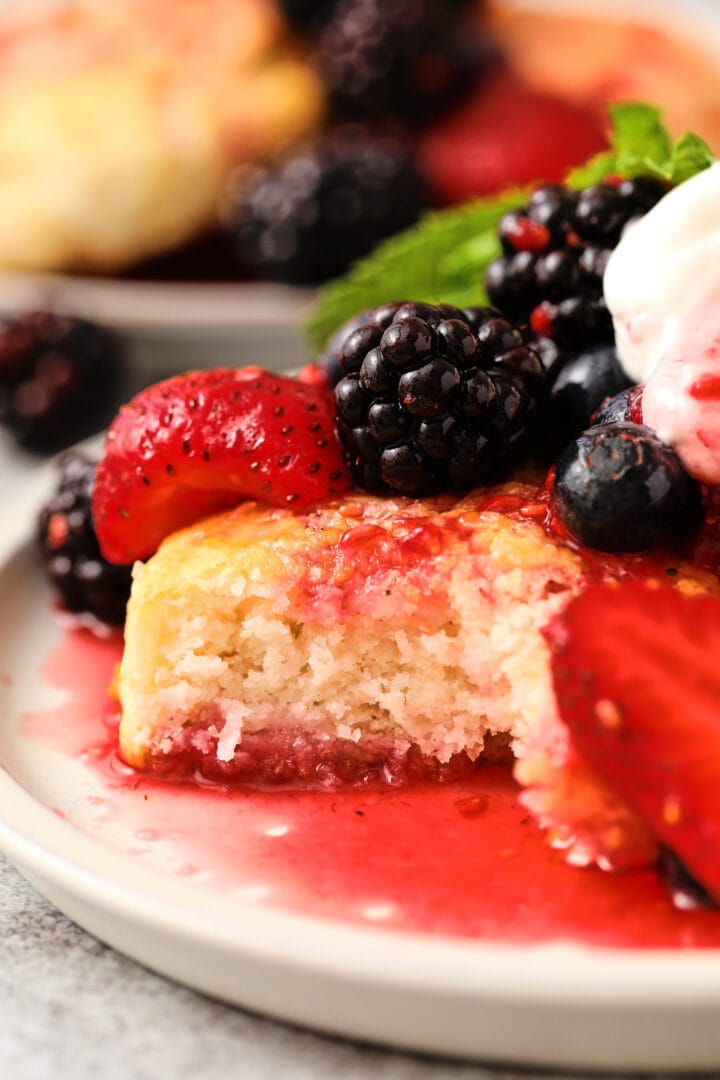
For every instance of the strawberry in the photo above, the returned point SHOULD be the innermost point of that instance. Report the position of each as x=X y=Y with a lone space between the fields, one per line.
x=637 y=683
x=201 y=442
x=313 y=374
x=507 y=132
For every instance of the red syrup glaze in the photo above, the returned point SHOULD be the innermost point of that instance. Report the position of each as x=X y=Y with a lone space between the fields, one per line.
x=461 y=858
x=351 y=576
x=535 y=504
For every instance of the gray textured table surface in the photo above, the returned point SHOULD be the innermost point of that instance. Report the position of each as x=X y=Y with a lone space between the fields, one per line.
x=72 y=1008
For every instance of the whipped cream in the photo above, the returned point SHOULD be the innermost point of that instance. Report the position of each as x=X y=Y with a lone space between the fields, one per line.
x=662 y=286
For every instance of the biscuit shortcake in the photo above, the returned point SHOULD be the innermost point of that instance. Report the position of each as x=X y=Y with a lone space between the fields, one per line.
x=120 y=123
x=367 y=634
x=351 y=634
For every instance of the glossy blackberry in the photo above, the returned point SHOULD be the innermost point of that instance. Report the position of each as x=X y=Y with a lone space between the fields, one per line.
x=554 y=254
x=434 y=398
x=580 y=388
x=77 y=570
x=618 y=487
x=58 y=379
x=329 y=360
x=329 y=204
x=398 y=56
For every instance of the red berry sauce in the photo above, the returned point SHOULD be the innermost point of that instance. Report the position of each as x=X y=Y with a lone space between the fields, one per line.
x=460 y=858
x=298 y=757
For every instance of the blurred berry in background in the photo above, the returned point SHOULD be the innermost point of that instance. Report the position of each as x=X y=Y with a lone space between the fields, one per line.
x=59 y=379
x=307 y=219
x=410 y=57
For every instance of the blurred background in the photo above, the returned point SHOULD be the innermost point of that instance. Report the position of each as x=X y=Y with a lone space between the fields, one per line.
x=176 y=179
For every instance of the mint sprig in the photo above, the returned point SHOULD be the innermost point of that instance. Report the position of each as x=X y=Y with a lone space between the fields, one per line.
x=641 y=146
x=443 y=259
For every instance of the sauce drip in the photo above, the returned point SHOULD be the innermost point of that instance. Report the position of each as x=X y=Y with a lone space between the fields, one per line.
x=460 y=858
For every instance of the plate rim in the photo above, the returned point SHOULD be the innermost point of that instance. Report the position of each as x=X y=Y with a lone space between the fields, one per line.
x=156 y=307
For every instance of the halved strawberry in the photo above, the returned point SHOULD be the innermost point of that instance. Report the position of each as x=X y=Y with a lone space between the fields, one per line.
x=637 y=681
x=200 y=442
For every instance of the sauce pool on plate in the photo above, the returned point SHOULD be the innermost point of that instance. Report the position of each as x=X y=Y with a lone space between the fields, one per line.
x=461 y=858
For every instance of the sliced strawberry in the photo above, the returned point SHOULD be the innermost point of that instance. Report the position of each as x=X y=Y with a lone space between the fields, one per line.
x=313 y=374
x=637 y=682
x=200 y=442
x=505 y=133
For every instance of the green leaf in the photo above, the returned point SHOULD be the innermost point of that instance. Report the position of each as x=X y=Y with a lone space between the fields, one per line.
x=593 y=171
x=690 y=155
x=639 y=138
x=641 y=146
x=441 y=259
x=444 y=257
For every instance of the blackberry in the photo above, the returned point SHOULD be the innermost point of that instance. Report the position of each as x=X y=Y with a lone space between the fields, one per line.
x=329 y=204
x=618 y=487
x=85 y=581
x=329 y=361
x=58 y=379
x=555 y=250
x=434 y=398
x=398 y=56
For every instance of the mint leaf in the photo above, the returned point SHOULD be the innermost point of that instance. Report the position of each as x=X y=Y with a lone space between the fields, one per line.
x=593 y=171
x=639 y=138
x=441 y=259
x=641 y=146
x=444 y=257
x=690 y=155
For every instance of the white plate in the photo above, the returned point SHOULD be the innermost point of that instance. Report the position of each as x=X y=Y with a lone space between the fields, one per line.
x=691 y=20
x=556 y=1005
x=169 y=327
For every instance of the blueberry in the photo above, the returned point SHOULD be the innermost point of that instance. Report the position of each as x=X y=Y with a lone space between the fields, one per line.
x=619 y=487
x=625 y=406
x=330 y=362
x=578 y=391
